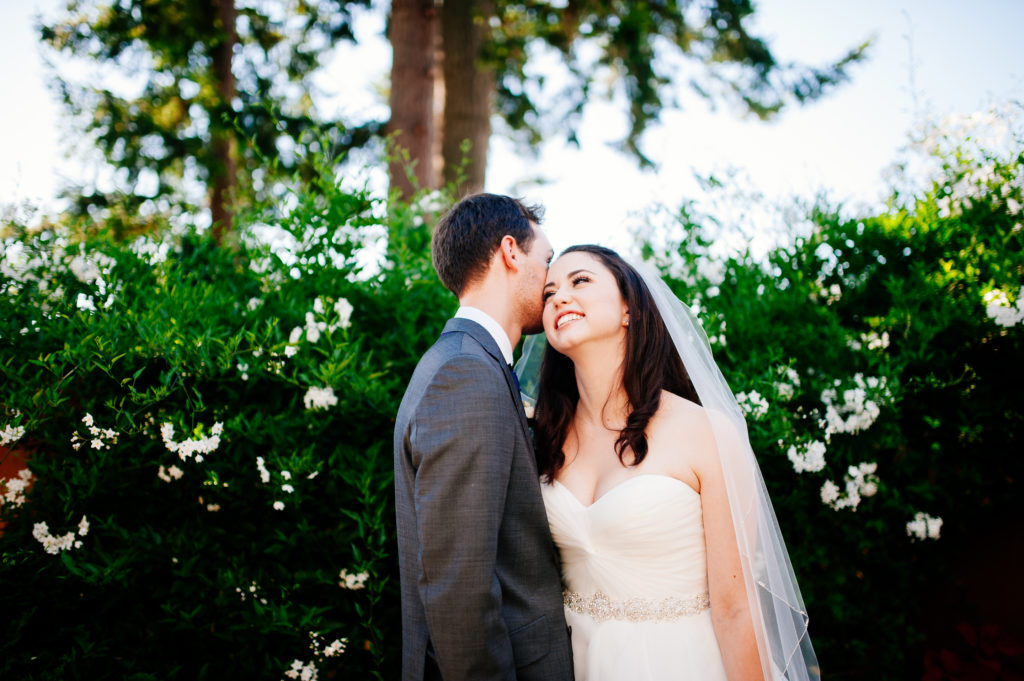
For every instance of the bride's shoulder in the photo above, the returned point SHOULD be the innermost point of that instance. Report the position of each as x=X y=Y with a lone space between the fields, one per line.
x=674 y=408
x=686 y=421
x=678 y=416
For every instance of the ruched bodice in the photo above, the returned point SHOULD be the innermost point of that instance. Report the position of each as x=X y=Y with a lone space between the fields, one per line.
x=642 y=538
x=634 y=567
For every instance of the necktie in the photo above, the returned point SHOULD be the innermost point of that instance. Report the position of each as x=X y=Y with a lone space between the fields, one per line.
x=515 y=378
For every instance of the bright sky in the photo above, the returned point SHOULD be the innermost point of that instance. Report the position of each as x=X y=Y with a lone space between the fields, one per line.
x=964 y=56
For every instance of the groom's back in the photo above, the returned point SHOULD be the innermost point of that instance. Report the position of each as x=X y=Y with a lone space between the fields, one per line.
x=479 y=576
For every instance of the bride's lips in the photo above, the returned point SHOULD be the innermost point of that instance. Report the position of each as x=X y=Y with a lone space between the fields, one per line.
x=567 y=317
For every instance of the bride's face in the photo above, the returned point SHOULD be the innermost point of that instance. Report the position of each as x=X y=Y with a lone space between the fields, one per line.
x=582 y=303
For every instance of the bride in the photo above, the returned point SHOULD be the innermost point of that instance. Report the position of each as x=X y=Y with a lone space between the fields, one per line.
x=672 y=561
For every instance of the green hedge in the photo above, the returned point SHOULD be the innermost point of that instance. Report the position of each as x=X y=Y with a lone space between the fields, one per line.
x=256 y=539
x=910 y=324
x=219 y=558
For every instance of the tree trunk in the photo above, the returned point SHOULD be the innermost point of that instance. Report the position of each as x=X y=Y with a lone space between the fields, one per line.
x=469 y=91
x=223 y=165
x=411 y=30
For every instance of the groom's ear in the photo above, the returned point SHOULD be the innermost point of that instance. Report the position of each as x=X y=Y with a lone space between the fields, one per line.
x=510 y=252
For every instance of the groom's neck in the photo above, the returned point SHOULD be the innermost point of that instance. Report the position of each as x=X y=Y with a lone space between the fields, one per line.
x=497 y=303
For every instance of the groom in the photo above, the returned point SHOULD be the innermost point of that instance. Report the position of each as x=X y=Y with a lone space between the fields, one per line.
x=481 y=594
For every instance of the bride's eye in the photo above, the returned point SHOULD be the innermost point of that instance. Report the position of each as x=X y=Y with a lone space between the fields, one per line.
x=547 y=294
x=580 y=279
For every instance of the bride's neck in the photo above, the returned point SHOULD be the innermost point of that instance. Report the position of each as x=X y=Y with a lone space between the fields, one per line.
x=603 y=398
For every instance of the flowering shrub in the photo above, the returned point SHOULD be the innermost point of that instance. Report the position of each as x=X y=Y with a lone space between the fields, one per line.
x=879 y=359
x=208 y=430
x=208 y=433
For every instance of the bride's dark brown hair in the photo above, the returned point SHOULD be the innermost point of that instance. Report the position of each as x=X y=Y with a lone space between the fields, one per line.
x=651 y=364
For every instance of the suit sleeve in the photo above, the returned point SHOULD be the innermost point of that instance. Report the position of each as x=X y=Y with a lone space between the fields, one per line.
x=462 y=442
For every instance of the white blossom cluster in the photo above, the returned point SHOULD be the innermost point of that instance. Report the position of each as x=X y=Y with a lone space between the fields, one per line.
x=149 y=251
x=314 y=327
x=196 y=447
x=860 y=481
x=320 y=398
x=169 y=474
x=870 y=340
x=352 y=581
x=924 y=526
x=786 y=388
x=64 y=542
x=15 y=488
x=753 y=404
x=304 y=671
x=252 y=590
x=831 y=294
x=808 y=457
x=40 y=267
x=859 y=408
x=333 y=649
x=1001 y=311
x=92 y=269
x=262 y=468
x=101 y=438
x=11 y=434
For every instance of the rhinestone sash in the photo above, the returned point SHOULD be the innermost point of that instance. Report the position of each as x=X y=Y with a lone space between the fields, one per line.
x=602 y=608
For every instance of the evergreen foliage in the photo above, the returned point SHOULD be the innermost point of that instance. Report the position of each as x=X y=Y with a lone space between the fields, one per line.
x=222 y=421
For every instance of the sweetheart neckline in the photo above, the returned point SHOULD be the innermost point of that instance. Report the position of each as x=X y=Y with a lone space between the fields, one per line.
x=618 y=485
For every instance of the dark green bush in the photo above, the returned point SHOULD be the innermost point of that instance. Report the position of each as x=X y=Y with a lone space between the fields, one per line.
x=224 y=563
x=899 y=309
x=907 y=323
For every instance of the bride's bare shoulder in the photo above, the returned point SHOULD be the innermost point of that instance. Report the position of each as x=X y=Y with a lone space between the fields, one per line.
x=686 y=421
x=678 y=416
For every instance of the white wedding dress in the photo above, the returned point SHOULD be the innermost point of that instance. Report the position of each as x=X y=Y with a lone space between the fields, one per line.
x=635 y=574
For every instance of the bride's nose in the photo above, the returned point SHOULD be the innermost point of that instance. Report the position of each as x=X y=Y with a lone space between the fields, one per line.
x=559 y=296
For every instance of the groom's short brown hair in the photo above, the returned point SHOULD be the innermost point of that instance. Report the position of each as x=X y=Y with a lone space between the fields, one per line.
x=468 y=234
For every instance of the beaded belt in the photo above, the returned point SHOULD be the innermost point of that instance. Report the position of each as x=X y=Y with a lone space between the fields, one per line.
x=602 y=608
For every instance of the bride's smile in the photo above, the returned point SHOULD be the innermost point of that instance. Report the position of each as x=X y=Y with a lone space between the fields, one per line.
x=582 y=303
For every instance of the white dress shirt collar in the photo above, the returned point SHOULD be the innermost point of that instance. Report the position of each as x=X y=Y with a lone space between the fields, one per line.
x=494 y=328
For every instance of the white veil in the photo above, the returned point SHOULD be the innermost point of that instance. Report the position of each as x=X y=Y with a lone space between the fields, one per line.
x=780 y=618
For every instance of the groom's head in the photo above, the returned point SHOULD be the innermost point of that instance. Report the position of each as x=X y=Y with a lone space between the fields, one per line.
x=467 y=237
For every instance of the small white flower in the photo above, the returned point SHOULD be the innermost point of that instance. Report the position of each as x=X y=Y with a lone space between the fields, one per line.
x=196 y=447
x=344 y=310
x=924 y=526
x=264 y=473
x=11 y=434
x=320 y=398
x=810 y=457
x=1001 y=311
x=15 y=488
x=336 y=648
x=278 y=505
x=352 y=581
x=860 y=482
x=829 y=492
x=753 y=404
x=83 y=526
x=254 y=303
x=51 y=544
x=287 y=488
x=287 y=475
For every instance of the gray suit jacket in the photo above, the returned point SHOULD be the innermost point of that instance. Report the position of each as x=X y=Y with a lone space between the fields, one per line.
x=481 y=592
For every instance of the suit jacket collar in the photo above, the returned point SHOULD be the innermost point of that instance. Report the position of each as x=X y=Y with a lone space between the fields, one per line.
x=484 y=338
